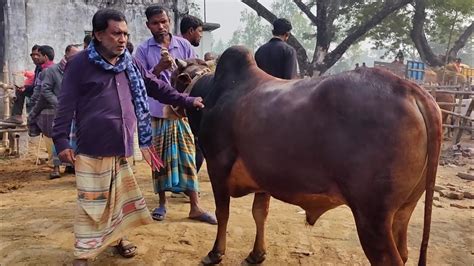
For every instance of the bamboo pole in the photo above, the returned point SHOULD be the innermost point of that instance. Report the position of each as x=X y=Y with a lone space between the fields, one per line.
x=457 y=114
x=6 y=108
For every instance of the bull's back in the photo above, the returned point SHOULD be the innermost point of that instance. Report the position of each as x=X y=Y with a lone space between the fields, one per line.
x=309 y=136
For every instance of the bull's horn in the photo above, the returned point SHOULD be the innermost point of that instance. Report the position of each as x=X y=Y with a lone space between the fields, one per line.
x=211 y=63
x=181 y=63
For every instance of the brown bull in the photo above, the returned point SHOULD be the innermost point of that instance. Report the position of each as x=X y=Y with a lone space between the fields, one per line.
x=365 y=138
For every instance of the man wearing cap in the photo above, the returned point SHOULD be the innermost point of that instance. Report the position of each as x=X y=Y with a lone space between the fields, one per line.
x=276 y=57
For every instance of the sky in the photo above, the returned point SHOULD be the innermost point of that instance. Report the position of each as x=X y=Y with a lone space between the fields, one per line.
x=227 y=14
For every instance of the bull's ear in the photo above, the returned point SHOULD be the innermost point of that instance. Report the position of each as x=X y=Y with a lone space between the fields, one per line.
x=184 y=78
x=181 y=63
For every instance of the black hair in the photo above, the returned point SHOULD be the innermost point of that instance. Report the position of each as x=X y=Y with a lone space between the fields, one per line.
x=100 y=20
x=130 y=47
x=47 y=50
x=189 y=22
x=35 y=47
x=87 y=39
x=156 y=10
x=69 y=47
x=281 y=26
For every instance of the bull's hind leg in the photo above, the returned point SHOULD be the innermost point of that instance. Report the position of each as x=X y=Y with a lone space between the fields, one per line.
x=260 y=206
x=400 y=228
x=375 y=233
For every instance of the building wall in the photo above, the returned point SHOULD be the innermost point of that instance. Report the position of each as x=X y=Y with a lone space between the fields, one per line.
x=59 y=23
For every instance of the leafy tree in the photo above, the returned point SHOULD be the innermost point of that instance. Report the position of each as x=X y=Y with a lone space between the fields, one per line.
x=253 y=34
x=429 y=26
x=447 y=20
x=219 y=47
x=338 y=24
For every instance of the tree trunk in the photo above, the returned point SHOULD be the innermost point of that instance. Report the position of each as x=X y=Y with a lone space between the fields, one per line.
x=418 y=36
x=357 y=32
x=323 y=60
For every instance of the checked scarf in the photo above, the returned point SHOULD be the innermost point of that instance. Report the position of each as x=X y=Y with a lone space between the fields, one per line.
x=139 y=98
x=137 y=88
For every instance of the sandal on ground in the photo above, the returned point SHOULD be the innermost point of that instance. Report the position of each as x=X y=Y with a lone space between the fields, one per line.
x=205 y=217
x=126 y=249
x=54 y=175
x=159 y=214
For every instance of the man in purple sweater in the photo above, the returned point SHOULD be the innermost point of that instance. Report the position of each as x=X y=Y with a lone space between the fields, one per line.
x=107 y=90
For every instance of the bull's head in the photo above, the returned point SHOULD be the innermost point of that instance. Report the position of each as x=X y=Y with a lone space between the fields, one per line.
x=188 y=70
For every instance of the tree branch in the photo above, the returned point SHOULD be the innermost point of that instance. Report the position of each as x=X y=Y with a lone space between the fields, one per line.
x=388 y=8
x=307 y=10
x=461 y=41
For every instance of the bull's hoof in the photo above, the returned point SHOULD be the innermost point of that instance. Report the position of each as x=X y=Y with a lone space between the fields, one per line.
x=212 y=258
x=253 y=258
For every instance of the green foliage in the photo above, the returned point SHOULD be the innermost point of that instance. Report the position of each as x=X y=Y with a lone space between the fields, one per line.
x=394 y=32
x=302 y=28
x=219 y=47
x=194 y=9
x=254 y=33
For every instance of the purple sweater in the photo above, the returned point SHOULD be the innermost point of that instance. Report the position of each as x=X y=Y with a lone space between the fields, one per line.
x=101 y=103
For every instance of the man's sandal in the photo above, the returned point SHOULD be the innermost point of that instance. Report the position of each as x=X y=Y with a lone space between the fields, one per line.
x=126 y=249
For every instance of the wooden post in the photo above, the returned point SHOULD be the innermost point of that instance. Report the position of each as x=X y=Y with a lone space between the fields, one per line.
x=464 y=122
x=6 y=102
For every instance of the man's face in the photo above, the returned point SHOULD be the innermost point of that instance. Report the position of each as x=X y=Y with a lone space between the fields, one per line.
x=74 y=50
x=159 y=26
x=113 y=39
x=195 y=36
x=36 y=57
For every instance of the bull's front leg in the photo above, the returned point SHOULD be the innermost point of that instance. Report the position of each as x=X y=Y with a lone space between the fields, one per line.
x=222 y=201
x=260 y=207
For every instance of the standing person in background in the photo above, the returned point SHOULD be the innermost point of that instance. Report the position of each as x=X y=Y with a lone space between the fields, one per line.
x=44 y=110
x=21 y=94
x=107 y=91
x=276 y=57
x=172 y=137
x=191 y=29
x=46 y=56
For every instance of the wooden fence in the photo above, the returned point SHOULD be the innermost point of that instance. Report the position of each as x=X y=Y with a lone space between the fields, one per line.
x=462 y=118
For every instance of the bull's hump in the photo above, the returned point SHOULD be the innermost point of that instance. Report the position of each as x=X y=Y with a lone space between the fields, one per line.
x=235 y=59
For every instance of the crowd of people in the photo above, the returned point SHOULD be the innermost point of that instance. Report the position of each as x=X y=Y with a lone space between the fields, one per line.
x=89 y=105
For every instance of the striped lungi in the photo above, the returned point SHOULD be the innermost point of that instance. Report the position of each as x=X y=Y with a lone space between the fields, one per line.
x=110 y=203
x=174 y=142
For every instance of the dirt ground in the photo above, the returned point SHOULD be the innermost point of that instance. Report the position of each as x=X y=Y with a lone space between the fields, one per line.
x=36 y=223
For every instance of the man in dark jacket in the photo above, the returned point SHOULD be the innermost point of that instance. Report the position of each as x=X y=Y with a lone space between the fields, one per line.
x=42 y=113
x=276 y=57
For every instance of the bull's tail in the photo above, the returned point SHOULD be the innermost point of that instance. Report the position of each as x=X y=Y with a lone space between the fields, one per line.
x=432 y=116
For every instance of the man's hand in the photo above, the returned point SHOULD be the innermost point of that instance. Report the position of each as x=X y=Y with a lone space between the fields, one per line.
x=152 y=158
x=165 y=63
x=198 y=103
x=67 y=156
